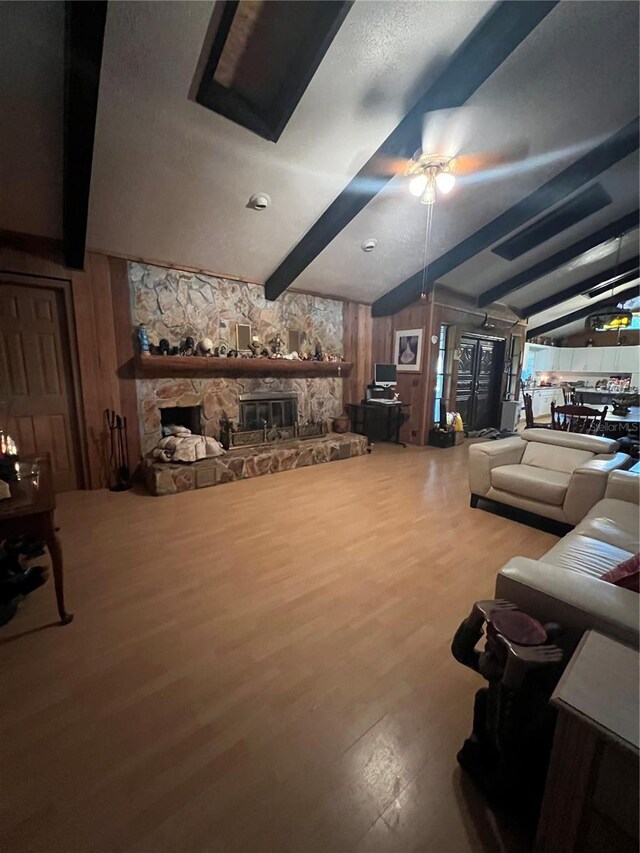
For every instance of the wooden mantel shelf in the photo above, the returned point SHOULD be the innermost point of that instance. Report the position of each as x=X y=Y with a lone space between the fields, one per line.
x=181 y=365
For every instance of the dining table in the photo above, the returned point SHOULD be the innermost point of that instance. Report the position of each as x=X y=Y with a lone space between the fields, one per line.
x=627 y=424
x=30 y=511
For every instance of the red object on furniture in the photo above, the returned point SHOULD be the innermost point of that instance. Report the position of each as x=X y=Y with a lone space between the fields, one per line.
x=625 y=574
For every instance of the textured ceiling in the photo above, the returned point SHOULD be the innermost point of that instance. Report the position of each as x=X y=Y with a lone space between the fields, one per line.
x=559 y=93
x=171 y=179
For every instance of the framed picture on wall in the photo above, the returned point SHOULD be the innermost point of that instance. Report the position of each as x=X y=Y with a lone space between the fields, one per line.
x=243 y=337
x=408 y=351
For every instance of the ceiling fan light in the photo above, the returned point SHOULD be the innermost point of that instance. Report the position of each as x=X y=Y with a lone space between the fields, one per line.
x=445 y=182
x=429 y=194
x=417 y=185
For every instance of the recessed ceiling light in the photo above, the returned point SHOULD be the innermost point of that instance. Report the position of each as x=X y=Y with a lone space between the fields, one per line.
x=369 y=245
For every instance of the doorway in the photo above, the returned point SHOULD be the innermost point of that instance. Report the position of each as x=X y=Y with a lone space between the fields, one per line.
x=36 y=387
x=478 y=386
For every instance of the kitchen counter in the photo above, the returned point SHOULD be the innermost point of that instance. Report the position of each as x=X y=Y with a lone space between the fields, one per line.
x=603 y=391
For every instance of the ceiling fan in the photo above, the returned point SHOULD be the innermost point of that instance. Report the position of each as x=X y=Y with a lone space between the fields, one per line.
x=439 y=162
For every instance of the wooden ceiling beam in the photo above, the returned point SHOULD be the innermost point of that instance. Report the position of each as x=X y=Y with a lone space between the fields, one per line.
x=493 y=40
x=614 y=229
x=626 y=269
x=84 y=36
x=582 y=313
x=594 y=162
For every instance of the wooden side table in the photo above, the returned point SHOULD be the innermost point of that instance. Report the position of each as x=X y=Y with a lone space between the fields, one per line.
x=591 y=796
x=30 y=512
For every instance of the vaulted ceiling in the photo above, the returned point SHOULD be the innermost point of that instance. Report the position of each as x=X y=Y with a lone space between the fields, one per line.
x=171 y=179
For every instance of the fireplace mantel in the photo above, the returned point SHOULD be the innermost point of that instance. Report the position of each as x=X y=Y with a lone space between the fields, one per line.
x=182 y=365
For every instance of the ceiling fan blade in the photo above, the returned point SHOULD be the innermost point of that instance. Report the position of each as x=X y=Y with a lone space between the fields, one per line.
x=467 y=164
x=449 y=131
x=382 y=165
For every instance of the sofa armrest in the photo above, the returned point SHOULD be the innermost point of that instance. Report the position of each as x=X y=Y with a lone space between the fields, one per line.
x=588 y=484
x=490 y=454
x=576 y=601
x=623 y=486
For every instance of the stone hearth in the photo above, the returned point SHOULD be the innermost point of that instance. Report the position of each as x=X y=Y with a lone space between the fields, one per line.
x=167 y=478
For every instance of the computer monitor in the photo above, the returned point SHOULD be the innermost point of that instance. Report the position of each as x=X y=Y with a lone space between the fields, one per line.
x=384 y=375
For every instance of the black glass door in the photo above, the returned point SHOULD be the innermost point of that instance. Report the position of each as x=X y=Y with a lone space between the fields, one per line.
x=478 y=388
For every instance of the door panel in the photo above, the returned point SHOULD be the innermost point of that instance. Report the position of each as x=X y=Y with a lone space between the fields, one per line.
x=478 y=385
x=36 y=379
x=466 y=373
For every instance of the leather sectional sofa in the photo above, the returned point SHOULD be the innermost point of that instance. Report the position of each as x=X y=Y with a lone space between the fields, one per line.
x=565 y=585
x=555 y=474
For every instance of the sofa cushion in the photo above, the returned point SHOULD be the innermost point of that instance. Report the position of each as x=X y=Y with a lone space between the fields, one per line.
x=613 y=521
x=556 y=458
x=592 y=443
x=538 y=484
x=585 y=555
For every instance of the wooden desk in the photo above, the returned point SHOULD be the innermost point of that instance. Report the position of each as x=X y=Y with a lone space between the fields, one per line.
x=591 y=796
x=378 y=421
x=30 y=511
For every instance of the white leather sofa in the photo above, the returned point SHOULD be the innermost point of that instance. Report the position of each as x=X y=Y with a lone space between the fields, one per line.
x=564 y=586
x=556 y=474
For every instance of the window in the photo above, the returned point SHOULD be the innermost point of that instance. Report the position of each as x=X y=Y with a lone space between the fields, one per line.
x=263 y=56
x=440 y=371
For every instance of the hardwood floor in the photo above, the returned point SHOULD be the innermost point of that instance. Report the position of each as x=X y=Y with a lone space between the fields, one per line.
x=262 y=666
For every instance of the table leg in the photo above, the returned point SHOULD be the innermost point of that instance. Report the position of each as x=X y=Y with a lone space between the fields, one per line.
x=398 y=416
x=55 y=551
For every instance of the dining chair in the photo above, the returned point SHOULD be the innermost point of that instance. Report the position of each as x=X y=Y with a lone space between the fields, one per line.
x=528 y=414
x=578 y=419
x=571 y=397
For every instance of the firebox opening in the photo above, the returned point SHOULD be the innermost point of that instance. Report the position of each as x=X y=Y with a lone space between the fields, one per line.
x=184 y=416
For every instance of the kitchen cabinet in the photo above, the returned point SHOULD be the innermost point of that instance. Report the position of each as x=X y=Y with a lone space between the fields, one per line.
x=564 y=357
x=587 y=359
x=545 y=358
x=542 y=399
x=620 y=359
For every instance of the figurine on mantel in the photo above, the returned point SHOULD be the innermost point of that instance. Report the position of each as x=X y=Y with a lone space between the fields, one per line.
x=143 y=338
x=187 y=346
x=277 y=345
x=205 y=347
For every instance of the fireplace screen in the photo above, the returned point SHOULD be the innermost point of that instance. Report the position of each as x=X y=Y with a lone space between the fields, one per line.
x=268 y=408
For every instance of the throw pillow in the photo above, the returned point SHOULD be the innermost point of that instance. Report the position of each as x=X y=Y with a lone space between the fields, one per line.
x=625 y=574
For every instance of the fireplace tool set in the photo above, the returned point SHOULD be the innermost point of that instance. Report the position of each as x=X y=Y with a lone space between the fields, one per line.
x=119 y=472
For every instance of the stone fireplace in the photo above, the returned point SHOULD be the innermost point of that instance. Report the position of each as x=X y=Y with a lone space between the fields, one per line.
x=174 y=304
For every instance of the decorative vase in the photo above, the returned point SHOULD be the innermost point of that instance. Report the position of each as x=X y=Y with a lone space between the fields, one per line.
x=143 y=338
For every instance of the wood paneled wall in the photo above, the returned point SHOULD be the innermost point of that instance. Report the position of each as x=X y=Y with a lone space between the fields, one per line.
x=102 y=340
x=411 y=386
x=601 y=339
x=461 y=315
x=357 y=349
x=95 y=330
